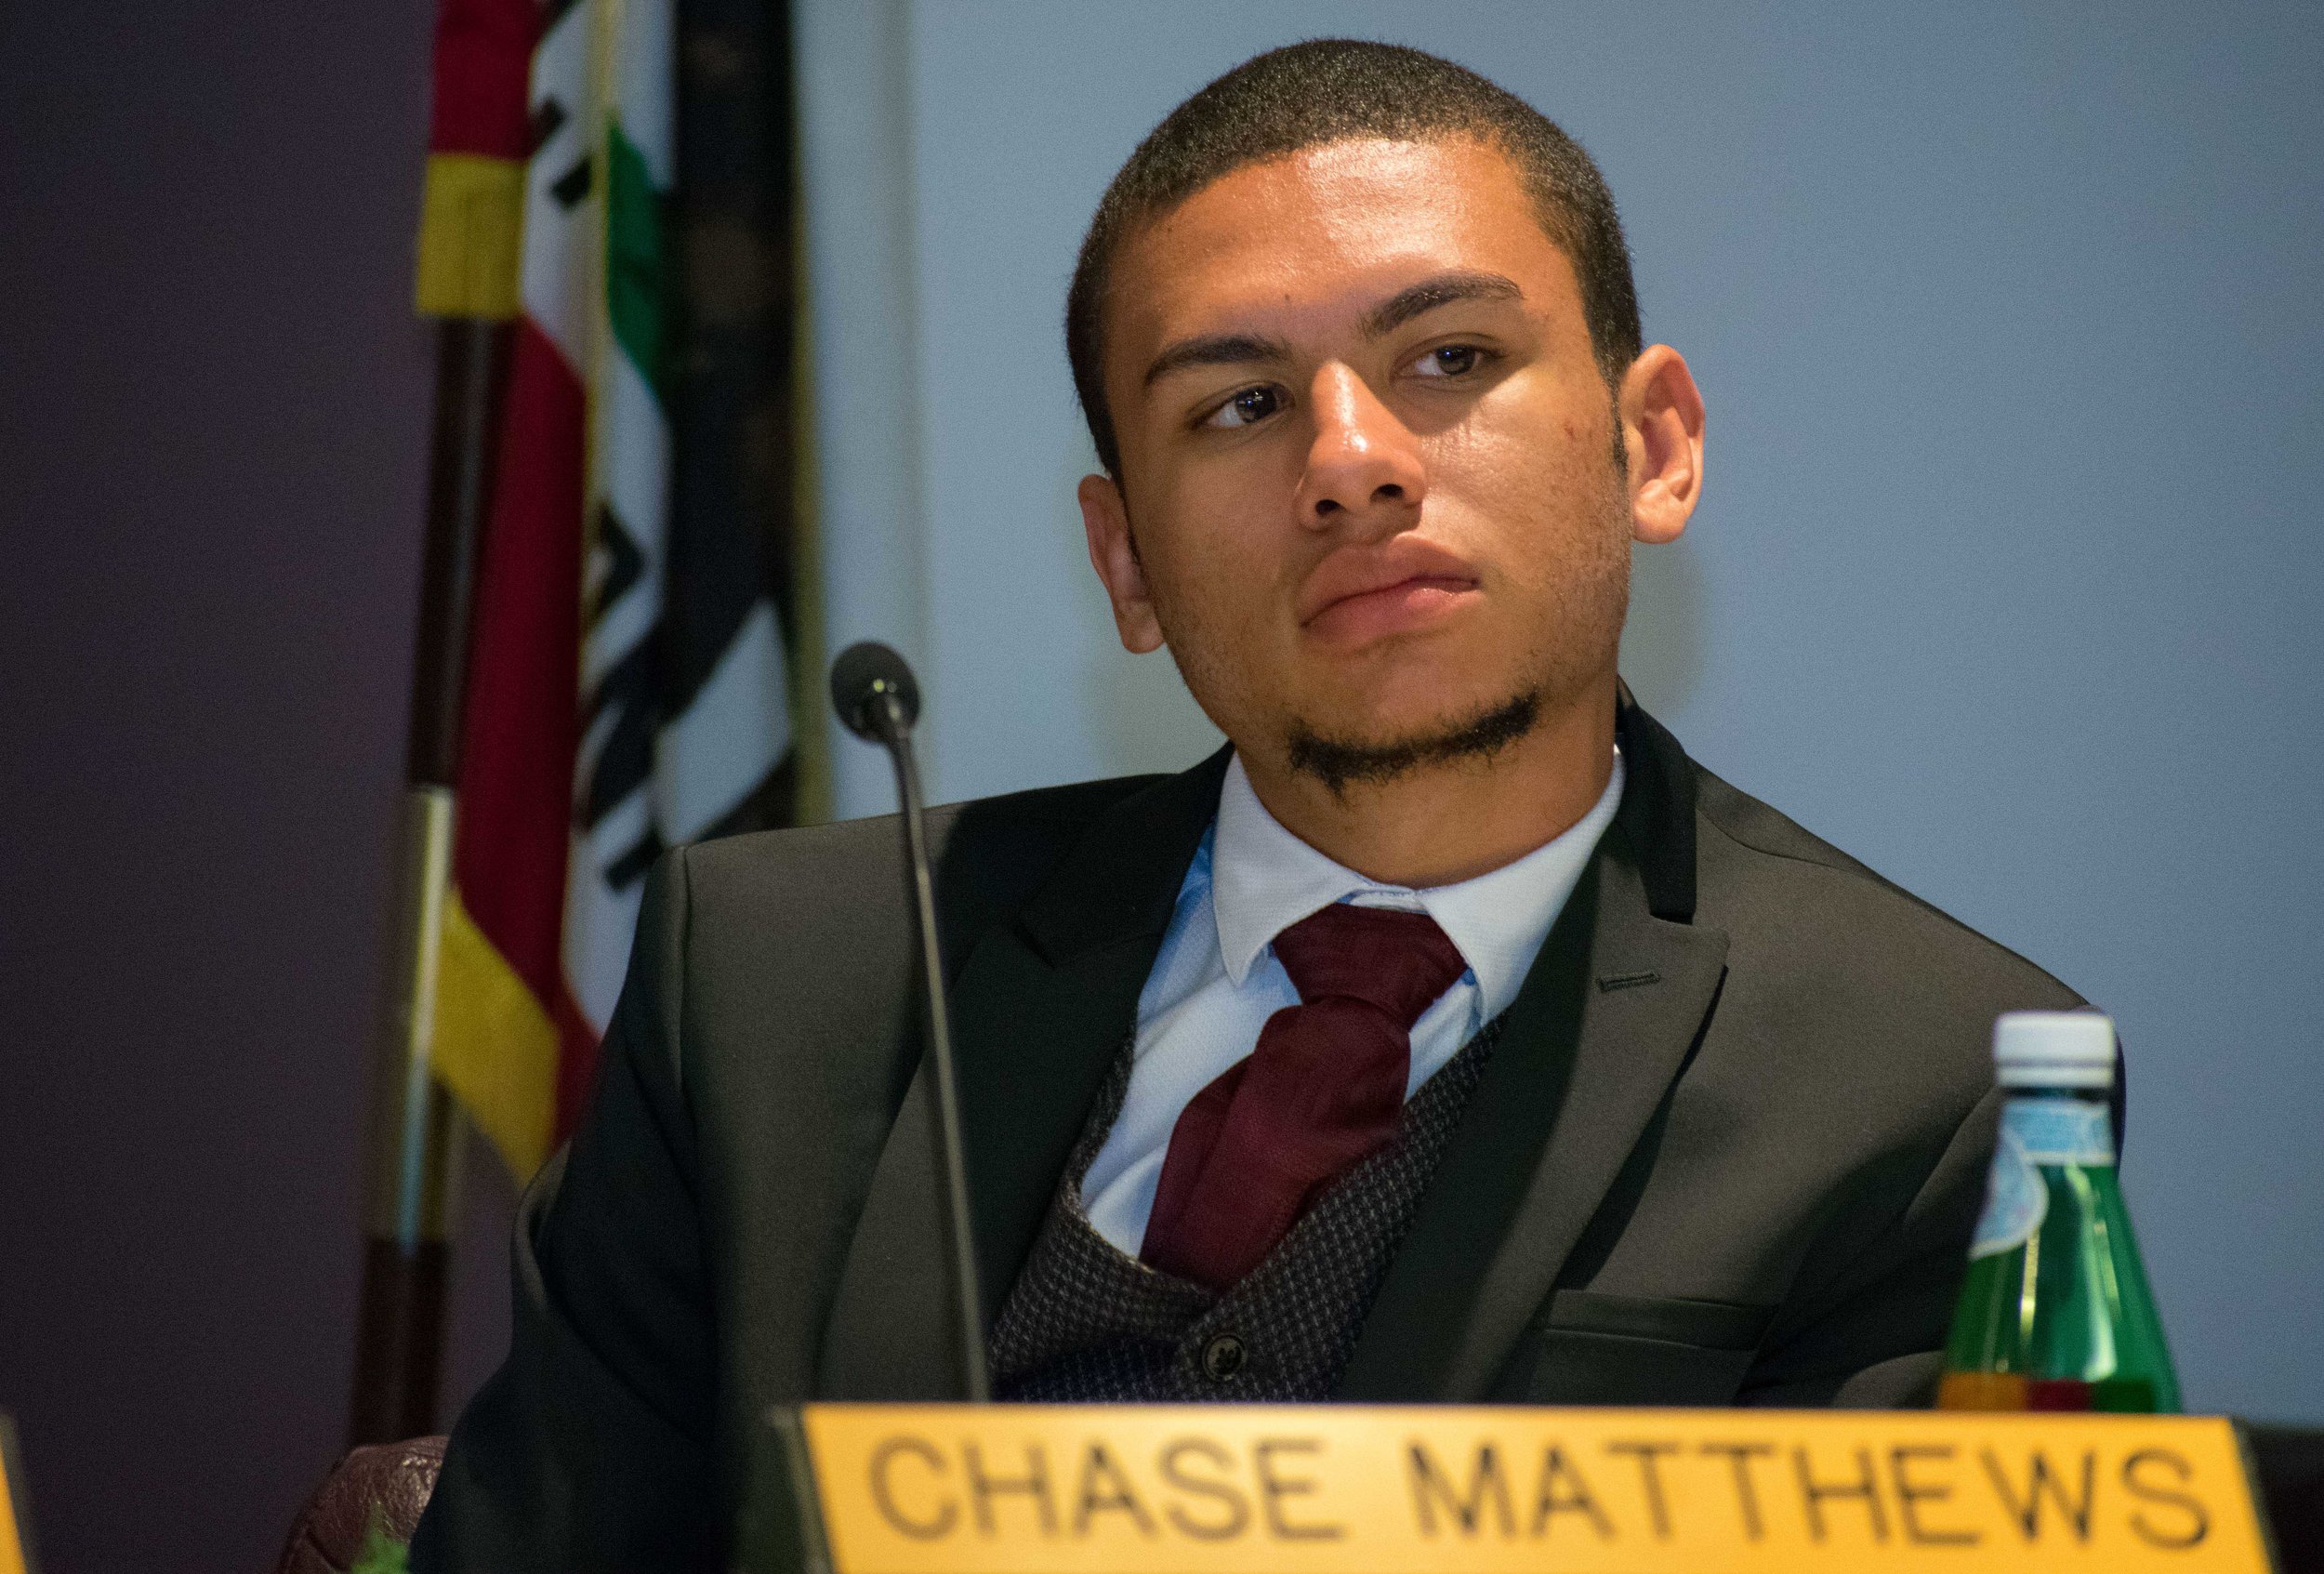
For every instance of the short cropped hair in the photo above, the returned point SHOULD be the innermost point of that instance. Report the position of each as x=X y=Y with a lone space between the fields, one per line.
x=1330 y=90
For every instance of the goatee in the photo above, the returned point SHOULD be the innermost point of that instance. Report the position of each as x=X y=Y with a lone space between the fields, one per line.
x=1339 y=763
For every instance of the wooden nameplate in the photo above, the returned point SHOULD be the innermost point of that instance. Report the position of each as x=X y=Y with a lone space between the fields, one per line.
x=16 y=1539
x=1347 y=1490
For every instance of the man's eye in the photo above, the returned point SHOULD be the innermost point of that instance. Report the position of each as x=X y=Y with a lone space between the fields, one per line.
x=1247 y=408
x=1449 y=361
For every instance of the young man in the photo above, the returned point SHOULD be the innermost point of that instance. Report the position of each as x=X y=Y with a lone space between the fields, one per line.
x=1450 y=1037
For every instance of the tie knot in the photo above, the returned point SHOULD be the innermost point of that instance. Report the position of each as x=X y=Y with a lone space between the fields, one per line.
x=1393 y=961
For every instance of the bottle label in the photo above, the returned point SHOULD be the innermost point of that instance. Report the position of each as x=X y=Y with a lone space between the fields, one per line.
x=2015 y=1200
x=2061 y=1131
x=2035 y=1132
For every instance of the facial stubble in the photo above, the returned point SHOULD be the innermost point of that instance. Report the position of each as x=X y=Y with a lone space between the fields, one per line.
x=1591 y=607
x=1588 y=621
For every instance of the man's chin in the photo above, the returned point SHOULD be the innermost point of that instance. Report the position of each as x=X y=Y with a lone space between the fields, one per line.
x=1381 y=752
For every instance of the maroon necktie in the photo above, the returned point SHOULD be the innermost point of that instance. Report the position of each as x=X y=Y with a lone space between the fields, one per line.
x=1324 y=1086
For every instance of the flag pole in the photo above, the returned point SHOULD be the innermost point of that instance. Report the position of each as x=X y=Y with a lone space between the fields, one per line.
x=470 y=228
x=418 y=1133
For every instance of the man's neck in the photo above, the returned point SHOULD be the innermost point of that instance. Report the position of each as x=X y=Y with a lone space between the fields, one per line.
x=1455 y=821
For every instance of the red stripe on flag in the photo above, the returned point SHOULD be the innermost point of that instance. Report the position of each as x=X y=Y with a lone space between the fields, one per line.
x=521 y=723
x=483 y=63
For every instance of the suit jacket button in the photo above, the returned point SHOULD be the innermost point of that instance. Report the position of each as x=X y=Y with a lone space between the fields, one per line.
x=1222 y=1358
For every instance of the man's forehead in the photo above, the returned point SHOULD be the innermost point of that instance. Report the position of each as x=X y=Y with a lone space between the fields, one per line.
x=1328 y=231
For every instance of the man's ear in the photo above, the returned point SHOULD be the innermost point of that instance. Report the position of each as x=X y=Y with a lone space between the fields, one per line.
x=1106 y=519
x=1661 y=412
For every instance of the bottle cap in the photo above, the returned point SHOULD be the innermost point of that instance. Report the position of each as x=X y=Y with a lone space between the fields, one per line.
x=2053 y=1048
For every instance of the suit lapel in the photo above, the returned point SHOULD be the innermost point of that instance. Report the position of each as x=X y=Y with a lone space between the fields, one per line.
x=1602 y=1027
x=1039 y=1009
x=887 y=1335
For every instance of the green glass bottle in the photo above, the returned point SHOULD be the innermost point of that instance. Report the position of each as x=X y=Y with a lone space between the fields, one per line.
x=2055 y=1313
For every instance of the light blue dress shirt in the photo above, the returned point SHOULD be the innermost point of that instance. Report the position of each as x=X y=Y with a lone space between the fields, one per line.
x=1216 y=980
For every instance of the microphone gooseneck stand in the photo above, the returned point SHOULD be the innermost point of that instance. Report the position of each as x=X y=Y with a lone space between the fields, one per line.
x=876 y=698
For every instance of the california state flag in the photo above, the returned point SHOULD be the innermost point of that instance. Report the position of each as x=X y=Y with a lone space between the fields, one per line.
x=586 y=748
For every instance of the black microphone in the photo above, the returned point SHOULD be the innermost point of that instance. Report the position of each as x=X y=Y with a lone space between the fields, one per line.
x=876 y=698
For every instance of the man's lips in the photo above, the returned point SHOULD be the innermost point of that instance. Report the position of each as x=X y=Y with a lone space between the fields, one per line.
x=1359 y=594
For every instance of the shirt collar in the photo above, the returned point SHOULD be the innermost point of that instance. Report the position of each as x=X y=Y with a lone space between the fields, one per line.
x=1263 y=880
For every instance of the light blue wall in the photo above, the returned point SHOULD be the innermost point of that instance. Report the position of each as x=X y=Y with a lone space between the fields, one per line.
x=2005 y=581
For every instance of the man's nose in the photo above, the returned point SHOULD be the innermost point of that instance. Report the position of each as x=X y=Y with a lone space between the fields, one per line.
x=1365 y=463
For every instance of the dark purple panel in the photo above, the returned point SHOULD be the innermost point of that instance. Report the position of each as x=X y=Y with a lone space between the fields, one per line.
x=213 y=406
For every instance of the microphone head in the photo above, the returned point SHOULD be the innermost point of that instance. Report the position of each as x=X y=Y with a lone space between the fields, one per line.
x=862 y=677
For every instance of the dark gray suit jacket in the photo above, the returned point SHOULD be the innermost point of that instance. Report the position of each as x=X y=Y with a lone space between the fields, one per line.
x=1729 y=1148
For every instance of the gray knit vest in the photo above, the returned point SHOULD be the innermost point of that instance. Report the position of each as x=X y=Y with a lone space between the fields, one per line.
x=1085 y=1322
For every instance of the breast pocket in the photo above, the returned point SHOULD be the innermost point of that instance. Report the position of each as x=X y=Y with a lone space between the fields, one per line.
x=1591 y=1348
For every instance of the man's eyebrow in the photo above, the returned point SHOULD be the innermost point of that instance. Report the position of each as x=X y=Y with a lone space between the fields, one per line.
x=1216 y=350
x=1429 y=294
x=1238 y=349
